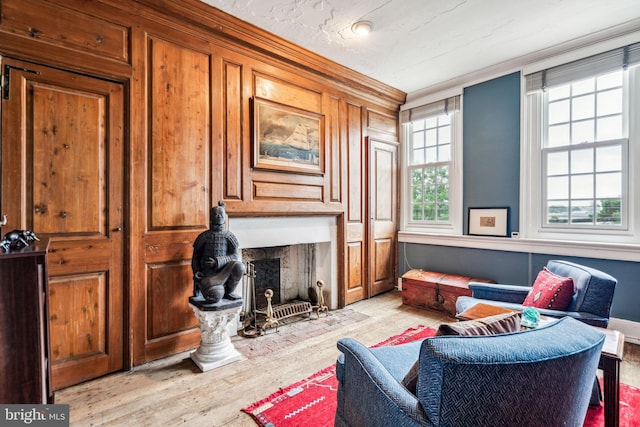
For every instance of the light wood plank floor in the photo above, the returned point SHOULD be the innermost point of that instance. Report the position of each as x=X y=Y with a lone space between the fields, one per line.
x=173 y=391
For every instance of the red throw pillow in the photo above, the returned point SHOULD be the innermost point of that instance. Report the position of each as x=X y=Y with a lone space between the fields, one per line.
x=550 y=291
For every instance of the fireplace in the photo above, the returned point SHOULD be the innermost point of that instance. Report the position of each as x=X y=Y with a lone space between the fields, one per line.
x=287 y=270
x=299 y=250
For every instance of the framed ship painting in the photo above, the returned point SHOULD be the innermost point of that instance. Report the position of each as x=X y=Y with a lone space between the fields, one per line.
x=287 y=139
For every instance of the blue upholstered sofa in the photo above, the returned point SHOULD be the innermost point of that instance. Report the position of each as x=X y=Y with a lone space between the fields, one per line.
x=539 y=377
x=591 y=301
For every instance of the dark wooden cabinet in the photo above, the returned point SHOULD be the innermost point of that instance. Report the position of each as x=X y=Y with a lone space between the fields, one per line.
x=23 y=326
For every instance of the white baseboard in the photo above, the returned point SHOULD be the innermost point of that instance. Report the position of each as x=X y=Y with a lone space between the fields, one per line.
x=630 y=329
x=399 y=283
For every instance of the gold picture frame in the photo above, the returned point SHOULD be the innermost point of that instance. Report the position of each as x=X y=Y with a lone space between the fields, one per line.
x=287 y=139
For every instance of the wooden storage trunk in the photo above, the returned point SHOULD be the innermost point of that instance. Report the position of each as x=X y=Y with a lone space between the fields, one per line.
x=435 y=291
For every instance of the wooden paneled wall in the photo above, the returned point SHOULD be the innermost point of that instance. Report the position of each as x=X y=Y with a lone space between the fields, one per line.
x=192 y=75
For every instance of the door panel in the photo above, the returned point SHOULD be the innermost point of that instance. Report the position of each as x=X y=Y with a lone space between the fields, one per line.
x=383 y=204
x=64 y=180
x=62 y=159
x=77 y=325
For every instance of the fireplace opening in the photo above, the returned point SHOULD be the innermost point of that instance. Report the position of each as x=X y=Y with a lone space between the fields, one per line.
x=256 y=234
x=280 y=283
x=287 y=270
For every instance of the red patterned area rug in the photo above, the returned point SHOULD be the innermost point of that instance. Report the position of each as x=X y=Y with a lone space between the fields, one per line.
x=312 y=401
x=629 y=409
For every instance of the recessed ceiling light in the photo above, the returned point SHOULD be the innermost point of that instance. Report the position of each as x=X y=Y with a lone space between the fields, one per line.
x=362 y=28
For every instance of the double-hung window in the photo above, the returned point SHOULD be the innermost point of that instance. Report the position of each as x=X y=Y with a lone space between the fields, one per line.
x=432 y=182
x=582 y=141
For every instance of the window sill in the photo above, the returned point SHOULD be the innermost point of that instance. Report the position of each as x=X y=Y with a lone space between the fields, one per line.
x=622 y=252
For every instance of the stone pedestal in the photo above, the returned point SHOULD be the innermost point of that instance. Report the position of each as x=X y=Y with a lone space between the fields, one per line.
x=215 y=348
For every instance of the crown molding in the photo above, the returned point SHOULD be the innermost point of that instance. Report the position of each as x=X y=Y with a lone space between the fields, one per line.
x=206 y=17
x=581 y=47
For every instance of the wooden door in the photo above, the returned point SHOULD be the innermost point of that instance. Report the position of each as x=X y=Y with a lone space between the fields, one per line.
x=383 y=205
x=62 y=177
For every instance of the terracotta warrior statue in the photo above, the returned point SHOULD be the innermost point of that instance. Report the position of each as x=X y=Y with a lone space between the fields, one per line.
x=217 y=264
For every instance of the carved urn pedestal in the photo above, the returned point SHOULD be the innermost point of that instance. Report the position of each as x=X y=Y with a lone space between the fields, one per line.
x=216 y=348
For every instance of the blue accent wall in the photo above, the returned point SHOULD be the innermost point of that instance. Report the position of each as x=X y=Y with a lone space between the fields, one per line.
x=491 y=132
x=491 y=147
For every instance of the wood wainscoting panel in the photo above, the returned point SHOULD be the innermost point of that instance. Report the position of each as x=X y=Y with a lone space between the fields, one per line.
x=169 y=323
x=184 y=163
x=336 y=149
x=179 y=129
x=37 y=19
x=287 y=93
x=276 y=191
x=355 y=289
x=168 y=311
x=355 y=232
x=232 y=132
x=170 y=245
x=355 y=164
x=379 y=122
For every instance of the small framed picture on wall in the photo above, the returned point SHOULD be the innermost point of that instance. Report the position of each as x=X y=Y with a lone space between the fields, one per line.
x=489 y=222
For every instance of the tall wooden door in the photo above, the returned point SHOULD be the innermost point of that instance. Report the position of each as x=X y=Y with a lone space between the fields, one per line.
x=383 y=207
x=62 y=177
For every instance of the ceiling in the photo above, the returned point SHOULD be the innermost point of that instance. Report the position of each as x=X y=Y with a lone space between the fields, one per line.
x=416 y=44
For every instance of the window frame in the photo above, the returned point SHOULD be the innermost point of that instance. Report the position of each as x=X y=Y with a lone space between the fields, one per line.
x=454 y=224
x=533 y=170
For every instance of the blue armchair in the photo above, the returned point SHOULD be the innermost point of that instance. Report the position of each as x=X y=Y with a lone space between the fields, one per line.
x=591 y=301
x=537 y=377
